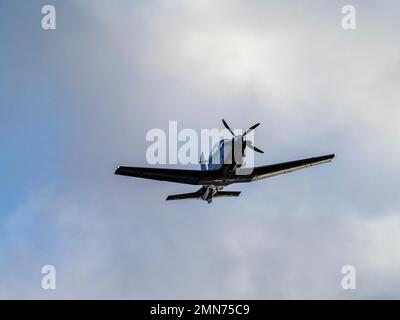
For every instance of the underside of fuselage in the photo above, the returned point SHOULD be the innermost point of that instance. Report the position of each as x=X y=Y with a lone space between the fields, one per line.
x=214 y=181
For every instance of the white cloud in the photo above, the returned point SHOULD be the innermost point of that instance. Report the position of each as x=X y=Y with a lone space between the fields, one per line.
x=314 y=87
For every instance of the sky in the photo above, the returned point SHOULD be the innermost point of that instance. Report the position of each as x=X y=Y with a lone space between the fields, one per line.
x=77 y=101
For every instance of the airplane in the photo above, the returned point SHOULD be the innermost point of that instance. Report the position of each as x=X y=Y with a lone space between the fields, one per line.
x=219 y=174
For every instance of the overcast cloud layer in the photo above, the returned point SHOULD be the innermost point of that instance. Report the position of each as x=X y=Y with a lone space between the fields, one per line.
x=78 y=101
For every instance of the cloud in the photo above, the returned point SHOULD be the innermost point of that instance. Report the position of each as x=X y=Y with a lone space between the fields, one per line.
x=119 y=70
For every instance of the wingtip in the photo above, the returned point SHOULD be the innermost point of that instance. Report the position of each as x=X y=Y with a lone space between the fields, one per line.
x=329 y=157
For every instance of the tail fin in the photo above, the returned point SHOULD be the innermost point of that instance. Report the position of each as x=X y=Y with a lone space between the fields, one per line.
x=203 y=162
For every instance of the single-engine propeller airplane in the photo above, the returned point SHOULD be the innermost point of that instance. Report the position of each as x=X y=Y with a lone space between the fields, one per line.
x=216 y=176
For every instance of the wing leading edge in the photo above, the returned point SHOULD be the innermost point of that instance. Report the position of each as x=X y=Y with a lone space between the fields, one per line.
x=286 y=167
x=195 y=177
x=198 y=177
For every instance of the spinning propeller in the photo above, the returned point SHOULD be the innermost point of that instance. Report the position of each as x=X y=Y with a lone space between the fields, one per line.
x=243 y=137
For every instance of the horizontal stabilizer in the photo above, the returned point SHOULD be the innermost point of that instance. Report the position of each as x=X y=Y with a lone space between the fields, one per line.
x=221 y=194
x=183 y=196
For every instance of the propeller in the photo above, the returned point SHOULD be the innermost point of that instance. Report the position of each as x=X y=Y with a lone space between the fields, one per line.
x=244 y=142
x=226 y=126
x=251 y=128
x=250 y=145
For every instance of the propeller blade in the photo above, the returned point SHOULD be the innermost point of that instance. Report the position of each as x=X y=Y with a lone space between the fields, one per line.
x=258 y=150
x=249 y=144
x=251 y=128
x=227 y=127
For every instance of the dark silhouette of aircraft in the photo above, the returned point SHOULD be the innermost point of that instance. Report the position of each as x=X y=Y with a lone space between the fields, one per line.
x=224 y=168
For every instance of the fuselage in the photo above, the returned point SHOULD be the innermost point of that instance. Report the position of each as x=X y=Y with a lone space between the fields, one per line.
x=226 y=157
x=227 y=153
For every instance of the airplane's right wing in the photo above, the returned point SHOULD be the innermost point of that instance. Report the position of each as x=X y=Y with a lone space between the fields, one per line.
x=195 y=177
x=286 y=167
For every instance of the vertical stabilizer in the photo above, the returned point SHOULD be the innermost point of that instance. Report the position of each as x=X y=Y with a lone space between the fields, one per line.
x=203 y=163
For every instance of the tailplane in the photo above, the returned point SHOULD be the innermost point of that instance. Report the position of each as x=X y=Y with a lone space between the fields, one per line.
x=183 y=196
x=222 y=194
x=200 y=195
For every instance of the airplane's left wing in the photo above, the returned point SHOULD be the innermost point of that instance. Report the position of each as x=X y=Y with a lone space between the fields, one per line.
x=285 y=167
x=195 y=177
